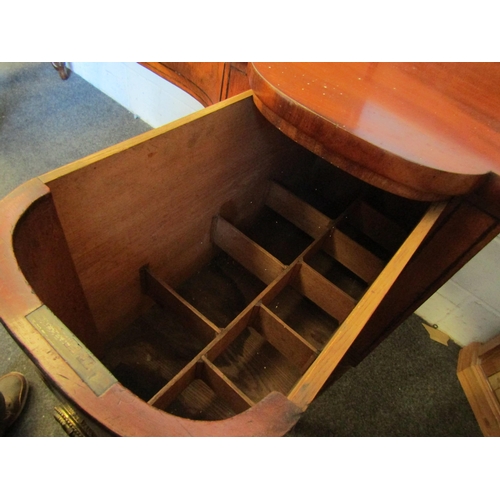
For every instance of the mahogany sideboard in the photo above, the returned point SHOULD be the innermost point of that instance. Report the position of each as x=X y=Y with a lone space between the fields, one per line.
x=209 y=277
x=425 y=131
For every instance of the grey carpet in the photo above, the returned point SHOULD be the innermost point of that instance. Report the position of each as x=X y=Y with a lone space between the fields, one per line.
x=406 y=387
x=45 y=123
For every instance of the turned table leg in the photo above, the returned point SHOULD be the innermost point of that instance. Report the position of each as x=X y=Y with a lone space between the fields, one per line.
x=62 y=69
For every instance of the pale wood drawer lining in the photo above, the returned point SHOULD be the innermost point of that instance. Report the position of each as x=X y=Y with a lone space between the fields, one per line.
x=276 y=275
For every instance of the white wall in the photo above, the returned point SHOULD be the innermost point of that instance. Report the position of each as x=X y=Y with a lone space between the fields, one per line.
x=150 y=97
x=467 y=308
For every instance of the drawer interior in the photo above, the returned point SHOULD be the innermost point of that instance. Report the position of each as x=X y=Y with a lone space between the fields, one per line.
x=211 y=263
x=253 y=318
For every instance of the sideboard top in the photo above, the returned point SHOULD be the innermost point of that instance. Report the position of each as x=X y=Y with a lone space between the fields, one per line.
x=430 y=128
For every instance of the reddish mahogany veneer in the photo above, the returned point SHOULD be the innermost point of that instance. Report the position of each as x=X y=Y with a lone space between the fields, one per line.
x=422 y=130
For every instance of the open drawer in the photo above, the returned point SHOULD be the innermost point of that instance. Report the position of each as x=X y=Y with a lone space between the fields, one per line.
x=204 y=278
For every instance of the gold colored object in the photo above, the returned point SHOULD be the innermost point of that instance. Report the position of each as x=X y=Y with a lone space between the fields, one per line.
x=72 y=423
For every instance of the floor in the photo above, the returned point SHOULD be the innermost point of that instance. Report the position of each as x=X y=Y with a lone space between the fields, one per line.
x=45 y=123
x=406 y=387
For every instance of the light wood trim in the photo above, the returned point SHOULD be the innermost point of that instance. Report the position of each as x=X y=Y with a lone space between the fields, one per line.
x=317 y=374
x=298 y=212
x=162 y=293
x=353 y=256
x=280 y=284
x=285 y=339
x=323 y=293
x=222 y=386
x=478 y=391
x=139 y=139
x=245 y=251
x=246 y=317
x=230 y=332
x=169 y=392
x=434 y=263
x=482 y=400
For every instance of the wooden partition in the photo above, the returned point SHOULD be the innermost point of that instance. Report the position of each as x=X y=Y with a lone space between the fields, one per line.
x=225 y=272
x=299 y=314
x=152 y=202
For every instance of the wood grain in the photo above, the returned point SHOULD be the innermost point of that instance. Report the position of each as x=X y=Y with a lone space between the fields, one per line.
x=163 y=294
x=379 y=228
x=323 y=293
x=435 y=262
x=419 y=130
x=494 y=381
x=490 y=356
x=43 y=256
x=242 y=249
x=157 y=196
x=301 y=214
x=310 y=384
x=479 y=392
x=202 y=80
x=256 y=367
x=118 y=410
x=235 y=79
x=220 y=384
x=353 y=256
x=286 y=340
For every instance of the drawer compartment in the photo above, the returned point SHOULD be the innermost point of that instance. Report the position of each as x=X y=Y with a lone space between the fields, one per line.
x=213 y=263
x=273 y=299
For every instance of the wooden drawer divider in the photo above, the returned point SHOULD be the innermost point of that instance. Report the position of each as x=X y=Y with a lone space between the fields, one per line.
x=245 y=251
x=323 y=293
x=317 y=374
x=221 y=385
x=353 y=256
x=314 y=366
x=383 y=231
x=285 y=339
x=167 y=394
x=163 y=294
x=298 y=212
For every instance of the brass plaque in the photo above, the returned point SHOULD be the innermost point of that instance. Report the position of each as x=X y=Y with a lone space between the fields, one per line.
x=72 y=350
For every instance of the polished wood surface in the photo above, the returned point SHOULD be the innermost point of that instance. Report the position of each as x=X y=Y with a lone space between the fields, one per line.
x=207 y=82
x=285 y=265
x=423 y=130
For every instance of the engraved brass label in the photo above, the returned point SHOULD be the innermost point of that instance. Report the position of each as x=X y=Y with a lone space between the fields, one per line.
x=67 y=345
